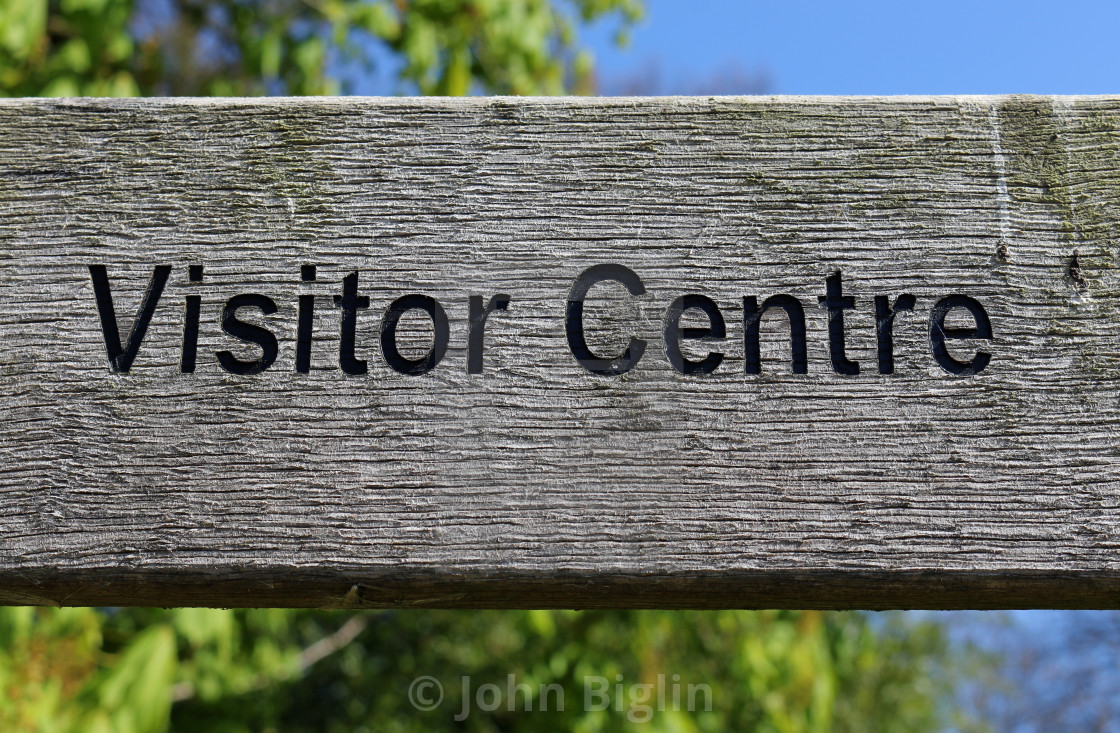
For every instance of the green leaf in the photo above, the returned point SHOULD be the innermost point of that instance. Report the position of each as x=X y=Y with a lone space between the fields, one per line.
x=63 y=86
x=309 y=57
x=87 y=6
x=23 y=24
x=74 y=55
x=136 y=690
x=272 y=51
x=377 y=19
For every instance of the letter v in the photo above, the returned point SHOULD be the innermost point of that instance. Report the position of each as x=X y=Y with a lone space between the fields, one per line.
x=120 y=360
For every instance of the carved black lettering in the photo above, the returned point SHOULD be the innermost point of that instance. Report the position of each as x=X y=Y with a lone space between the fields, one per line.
x=577 y=342
x=884 y=327
x=258 y=335
x=190 y=324
x=441 y=334
x=674 y=334
x=835 y=303
x=350 y=303
x=120 y=359
x=477 y=327
x=938 y=333
x=306 y=319
x=752 y=319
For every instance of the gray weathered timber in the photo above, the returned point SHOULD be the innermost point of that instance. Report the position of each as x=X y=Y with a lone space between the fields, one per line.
x=537 y=483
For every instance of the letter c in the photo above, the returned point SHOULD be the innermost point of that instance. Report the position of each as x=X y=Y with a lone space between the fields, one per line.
x=574 y=322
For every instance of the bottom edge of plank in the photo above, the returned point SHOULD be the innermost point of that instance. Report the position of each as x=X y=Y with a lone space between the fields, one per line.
x=804 y=589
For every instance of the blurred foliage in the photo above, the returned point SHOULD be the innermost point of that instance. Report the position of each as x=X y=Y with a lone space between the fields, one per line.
x=296 y=47
x=144 y=670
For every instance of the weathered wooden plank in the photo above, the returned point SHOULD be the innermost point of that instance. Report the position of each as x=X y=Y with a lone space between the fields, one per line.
x=536 y=482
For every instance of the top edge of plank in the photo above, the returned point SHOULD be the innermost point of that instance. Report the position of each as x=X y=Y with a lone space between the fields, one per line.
x=558 y=101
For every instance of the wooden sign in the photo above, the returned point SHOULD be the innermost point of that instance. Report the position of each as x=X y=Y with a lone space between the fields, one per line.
x=698 y=352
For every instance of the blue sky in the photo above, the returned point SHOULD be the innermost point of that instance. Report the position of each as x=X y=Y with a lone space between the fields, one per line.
x=900 y=47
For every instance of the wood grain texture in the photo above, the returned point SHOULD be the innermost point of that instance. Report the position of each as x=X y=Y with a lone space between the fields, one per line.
x=537 y=483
